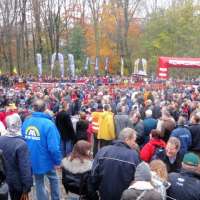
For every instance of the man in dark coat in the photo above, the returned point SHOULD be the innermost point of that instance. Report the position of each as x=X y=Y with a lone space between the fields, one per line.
x=114 y=166
x=195 y=133
x=185 y=185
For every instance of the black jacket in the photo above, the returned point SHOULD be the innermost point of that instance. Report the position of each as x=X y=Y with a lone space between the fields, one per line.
x=184 y=186
x=113 y=170
x=64 y=125
x=75 y=176
x=195 y=133
x=176 y=166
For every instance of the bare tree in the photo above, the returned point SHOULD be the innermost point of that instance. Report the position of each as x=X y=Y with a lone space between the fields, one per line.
x=8 y=10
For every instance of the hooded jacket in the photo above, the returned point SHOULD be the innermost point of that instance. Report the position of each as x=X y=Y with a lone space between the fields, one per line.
x=106 y=126
x=141 y=190
x=43 y=140
x=148 y=150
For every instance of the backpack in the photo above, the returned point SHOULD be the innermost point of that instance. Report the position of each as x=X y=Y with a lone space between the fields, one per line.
x=158 y=152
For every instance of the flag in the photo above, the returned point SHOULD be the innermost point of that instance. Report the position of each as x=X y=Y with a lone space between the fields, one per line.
x=39 y=64
x=14 y=70
x=71 y=64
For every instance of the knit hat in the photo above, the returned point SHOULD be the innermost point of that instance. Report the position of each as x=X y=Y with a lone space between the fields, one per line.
x=143 y=172
x=191 y=159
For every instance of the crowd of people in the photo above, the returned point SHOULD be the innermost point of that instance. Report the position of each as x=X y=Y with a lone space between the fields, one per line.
x=108 y=142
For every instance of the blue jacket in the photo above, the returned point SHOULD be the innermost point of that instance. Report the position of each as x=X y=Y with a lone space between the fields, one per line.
x=184 y=186
x=43 y=140
x=17 y=163
x=113 y=170
x=184 y=135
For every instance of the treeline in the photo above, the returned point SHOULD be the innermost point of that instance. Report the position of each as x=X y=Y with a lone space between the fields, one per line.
x=103 y=28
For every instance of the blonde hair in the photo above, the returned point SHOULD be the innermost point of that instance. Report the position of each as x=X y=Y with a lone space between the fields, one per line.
x=160 y=168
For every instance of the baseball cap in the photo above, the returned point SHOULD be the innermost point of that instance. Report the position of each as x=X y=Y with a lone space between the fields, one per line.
x=191 y=159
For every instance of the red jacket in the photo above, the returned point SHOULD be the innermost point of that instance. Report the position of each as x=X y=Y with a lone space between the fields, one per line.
x=148 y=150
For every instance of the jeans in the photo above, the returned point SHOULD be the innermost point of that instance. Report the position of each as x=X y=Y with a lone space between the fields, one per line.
x=66 y=148
x=41 y=192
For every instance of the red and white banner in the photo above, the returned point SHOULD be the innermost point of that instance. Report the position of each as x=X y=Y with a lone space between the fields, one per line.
x=166 y=62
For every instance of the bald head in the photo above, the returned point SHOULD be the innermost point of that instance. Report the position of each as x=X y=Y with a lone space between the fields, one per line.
x=39 y=105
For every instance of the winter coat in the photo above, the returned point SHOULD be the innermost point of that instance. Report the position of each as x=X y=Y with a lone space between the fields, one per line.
x=121 y=121
x=148 y=150
x=17 y=164
x=139 y=128
x=43 y=140
x=113 y=170
x=141 y=190
x=184 y=135
x=172 y=167
x=106 y=126
x=195 y=133
x=81 y=130
x=75 y=175
x=184 y=185
x=65 y=127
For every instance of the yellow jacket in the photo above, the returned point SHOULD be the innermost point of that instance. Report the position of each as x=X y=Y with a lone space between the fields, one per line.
x=106 y=126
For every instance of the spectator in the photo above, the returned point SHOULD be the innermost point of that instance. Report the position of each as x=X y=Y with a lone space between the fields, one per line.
x=138 y=126
x=95 y=126
x=166 y=124
x=17 y=164
x=149 y=124
x=76 y=170
x=185 y=185
x=195 y=133
x=149 y=149
x=82 y=127
x=171 y=156
x=65 y=127
x=115 y=164
x=43 y=140
x=142 y=187
x=106 y=132
x=183 y=134
x=121 y=119
x=159 y=177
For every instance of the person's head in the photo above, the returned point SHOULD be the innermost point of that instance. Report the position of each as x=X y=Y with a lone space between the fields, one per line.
x=107 y=107
x=156 y=134
x=143 y=172
x=159 y=167
x=191 y=162
x=195 y=119
x=82 y=115
x=13 y=124
x=148 y=113
x=172 y=147
x=181 y=121
x=135 y=117
x=128 y=136
x=39 y=105
x=81 y=151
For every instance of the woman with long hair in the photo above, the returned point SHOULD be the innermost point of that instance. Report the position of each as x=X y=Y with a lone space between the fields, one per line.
x=159 y=177
x=76 y=170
